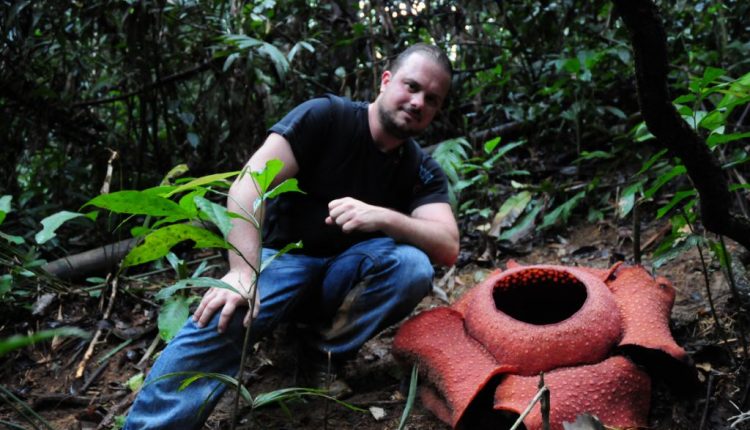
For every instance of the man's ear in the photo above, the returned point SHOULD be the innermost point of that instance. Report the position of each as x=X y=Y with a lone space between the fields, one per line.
x=385 y=79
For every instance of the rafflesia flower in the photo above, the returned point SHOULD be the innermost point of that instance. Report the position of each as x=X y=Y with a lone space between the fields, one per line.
x=582 y=327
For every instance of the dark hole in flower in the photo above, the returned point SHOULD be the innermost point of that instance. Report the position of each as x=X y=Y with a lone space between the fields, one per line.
x=539 y=296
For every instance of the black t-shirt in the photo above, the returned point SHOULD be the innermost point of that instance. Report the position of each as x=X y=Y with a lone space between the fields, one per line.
x=331 y=141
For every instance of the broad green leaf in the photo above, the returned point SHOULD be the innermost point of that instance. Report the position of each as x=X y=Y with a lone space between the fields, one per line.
x=6 y=284
x=641 y=133
x=277 y=57
x=20 y=341
x=289 y=185
x=710 y=75
x=717 y=139
x=627 y=198
x=678 y=197
x=203 y=282
x=712 y=121
x=264 y=178
x=663 y=179
x=138 y=203
x=491 y=144
x=5 y=207
x=562 y=212
x=282 y=251
x=721 y=253
x=158 y=243
x=176 y=171
x=203 y=180
x=187 y=201
x=523 y=227
x=216 y=213
x=687 y=98
x=172 y=316
x=52 y=223
x=509 y=212
x=677 y=249
x=135 y=382
x=616 y=112
x=650 y=162
x=15 y=240
x=586 y=155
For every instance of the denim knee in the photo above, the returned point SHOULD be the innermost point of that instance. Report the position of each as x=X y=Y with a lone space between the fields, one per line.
x=412 y=270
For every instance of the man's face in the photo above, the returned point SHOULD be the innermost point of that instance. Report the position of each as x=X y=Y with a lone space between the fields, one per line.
x=410 y=98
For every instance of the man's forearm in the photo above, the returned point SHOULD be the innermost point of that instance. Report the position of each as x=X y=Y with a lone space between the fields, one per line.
x=244 y=236
x=437 y=239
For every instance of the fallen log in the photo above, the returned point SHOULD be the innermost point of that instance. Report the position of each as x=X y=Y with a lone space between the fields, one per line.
x=95 y=261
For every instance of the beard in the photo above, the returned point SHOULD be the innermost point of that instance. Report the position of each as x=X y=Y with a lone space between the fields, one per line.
x=388 y=121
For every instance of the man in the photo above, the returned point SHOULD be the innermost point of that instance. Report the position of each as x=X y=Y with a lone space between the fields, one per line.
x=374 y=213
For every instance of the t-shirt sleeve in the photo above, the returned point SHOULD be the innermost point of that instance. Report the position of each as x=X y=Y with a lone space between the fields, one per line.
x=304 y=127
x=431 y=186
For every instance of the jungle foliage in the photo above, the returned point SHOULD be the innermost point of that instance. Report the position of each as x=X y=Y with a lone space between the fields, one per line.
x=542 y=123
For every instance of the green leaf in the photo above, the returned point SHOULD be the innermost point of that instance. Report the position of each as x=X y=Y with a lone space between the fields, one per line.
x=203 y=180
x=6 y=284
x=289 y=185
x=15 y=240
x=663 y=179
x=20 y=341
x=562 y=212
x=523 y=227
x=5 y=207
x=712 y=121
x=410 y=397
x=51 y=223
x=676 y=249
x=491 y=144
x=277 y=57
x=509 y=212
x=218 y=214
x=710 y=75
x=717 y=139
x=678 y=197
x=650 y=162
x=138 y=203
x=202 y=282
x=282 y=251
x=176 y=171
x=172 y=316
x=264 y=178
x=720 y=253
x=192 y=376
x=158 y=243
x=135 y=382
x=627 y=199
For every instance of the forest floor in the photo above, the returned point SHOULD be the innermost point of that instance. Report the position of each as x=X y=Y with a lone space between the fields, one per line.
x=43 y=376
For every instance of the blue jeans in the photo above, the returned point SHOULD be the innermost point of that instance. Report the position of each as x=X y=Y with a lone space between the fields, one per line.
x=352 y=296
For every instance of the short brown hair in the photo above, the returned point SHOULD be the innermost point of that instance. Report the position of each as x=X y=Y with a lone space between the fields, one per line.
x=430 y=51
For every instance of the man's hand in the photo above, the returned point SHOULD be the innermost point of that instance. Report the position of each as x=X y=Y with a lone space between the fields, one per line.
x=354 y=215
x=227 y=300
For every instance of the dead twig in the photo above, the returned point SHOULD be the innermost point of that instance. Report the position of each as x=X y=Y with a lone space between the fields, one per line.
x=90 y=351
x=709 y=391
x=537 y=397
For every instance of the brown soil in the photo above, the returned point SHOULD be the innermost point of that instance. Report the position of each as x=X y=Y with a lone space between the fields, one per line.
x=44 y=376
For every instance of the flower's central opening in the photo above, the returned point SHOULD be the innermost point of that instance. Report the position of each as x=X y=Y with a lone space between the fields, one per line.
x=539 y=296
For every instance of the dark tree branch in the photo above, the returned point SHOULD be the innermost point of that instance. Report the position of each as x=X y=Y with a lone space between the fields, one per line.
x=648 y=37
x=185 y=74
